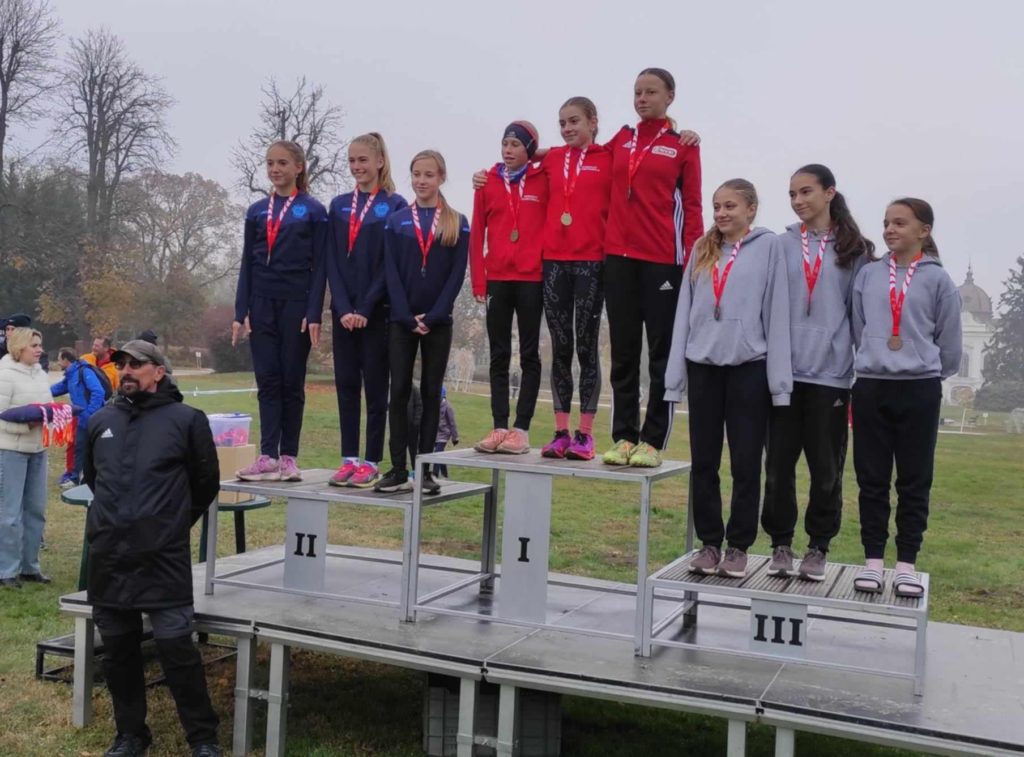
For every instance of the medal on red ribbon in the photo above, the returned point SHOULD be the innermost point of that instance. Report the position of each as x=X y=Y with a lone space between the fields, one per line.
x=718 y=282
x=513 y=206
x=636 y=159
x=811 y=274
x=425 y=245
x=896 y=301
x=274 y=226
x=354 y=223
x=569 y=183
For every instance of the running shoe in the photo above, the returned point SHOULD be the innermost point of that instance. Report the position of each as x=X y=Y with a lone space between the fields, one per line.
x=619 y=454
x=264 y=468
x=558 y=446
x=581 y=448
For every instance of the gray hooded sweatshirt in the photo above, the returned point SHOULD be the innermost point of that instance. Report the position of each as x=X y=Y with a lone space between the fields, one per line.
x=822 y=341
x=754 y=323
x=929 y=325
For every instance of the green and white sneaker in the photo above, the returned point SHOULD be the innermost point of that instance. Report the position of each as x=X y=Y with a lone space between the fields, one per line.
x=644 y=456
x=619 y=454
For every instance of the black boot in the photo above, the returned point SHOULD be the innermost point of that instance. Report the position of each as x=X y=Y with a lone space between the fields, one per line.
x=125 y=678
x=183 y=669
x=129 y=745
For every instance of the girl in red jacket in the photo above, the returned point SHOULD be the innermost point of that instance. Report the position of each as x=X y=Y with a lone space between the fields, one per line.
x=579 y=180
x=509 y=213
x=654 y=219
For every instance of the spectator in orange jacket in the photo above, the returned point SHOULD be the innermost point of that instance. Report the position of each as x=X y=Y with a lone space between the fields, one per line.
x=102 y=349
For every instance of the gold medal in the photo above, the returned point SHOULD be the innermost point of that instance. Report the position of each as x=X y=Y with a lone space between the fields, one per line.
x=514 y=236
x=895 y=343
x=566 y=218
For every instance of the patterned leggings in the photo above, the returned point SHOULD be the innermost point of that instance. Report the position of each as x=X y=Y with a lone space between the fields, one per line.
x=574 y=288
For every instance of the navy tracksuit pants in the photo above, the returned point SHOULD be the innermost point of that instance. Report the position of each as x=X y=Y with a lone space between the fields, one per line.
x=279 y=354
x=361 y=361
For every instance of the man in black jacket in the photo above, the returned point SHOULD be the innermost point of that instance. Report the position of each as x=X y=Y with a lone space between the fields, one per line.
x=152 y=466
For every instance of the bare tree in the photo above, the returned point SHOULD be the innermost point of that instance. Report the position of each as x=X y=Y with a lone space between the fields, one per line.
x=305 y=117
x=114 y=114
x=28 y=34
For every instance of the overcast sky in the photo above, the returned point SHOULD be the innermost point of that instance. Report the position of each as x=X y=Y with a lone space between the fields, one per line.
x=898 y=97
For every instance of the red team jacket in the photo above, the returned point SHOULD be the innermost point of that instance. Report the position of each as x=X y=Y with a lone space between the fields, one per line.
x=507 y=260
x=662 y=219
x=583 y=239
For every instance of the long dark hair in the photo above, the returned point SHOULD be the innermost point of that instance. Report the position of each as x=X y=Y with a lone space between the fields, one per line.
x=922 y=212
x=850 y=243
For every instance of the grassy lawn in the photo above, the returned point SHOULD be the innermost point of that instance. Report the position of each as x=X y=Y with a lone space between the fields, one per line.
x=341 y=707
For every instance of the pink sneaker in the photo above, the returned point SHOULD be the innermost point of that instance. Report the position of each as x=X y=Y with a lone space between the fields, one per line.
x=365 y=476
x=491 y=442
x=343 y=476
x=290 y=469
x=557 y=447
x=516 y=442
x=582 y=447
x=265 y=468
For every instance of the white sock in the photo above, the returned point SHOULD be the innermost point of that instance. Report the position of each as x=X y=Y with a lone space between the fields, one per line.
x=875 y=564
x=905 y=567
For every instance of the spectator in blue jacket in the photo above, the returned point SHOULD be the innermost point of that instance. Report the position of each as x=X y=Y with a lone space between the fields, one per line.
x=85 y=390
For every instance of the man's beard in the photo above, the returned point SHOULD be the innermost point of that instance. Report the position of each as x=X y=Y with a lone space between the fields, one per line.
x=129 y=386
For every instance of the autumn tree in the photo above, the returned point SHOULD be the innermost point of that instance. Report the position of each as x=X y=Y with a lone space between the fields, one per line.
x=28 y=34
x=112 y=114
x=303 y=116
x=1003 y=367
x=181 y=224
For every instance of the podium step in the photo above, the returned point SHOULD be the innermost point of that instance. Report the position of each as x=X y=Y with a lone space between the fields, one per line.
x=779 y=612
x=837 y=590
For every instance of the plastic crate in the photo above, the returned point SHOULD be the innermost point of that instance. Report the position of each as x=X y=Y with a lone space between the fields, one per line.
x=230 y=429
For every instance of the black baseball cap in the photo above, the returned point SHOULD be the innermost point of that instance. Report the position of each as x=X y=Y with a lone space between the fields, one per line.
x=140 y=350
x=18 y=320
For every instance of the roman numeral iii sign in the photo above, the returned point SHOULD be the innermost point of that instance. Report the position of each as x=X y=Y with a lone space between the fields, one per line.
x=778 y=628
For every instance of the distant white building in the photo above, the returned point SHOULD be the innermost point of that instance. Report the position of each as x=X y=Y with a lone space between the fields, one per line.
x=977 y=323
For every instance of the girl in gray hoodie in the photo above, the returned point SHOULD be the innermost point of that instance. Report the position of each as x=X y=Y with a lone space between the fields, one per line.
x=731 y=352
x=906 y=328
x=823 y=254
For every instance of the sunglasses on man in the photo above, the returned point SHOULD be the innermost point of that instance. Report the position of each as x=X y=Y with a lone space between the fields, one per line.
x=134 y=364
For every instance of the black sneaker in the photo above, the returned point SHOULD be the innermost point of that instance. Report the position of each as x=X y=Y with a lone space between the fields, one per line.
x=206 y=750
x=395 y=480
x=429 y=485
x=34 y=578
x=10 y=583
x=129 y=745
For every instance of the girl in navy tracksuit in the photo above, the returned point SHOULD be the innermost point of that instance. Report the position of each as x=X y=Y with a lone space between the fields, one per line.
x=425 y=252
x=907 y=331
x=509 y=214
x=823 y=254
x=285 y=235
x=355 y=269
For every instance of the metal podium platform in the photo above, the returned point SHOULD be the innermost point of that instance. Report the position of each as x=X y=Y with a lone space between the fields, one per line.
x=779 y=611
x=973 y=695
x=524 y=581
x=305 y=549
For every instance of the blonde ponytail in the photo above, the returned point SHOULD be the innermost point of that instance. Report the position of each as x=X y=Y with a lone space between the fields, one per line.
x=706 y=252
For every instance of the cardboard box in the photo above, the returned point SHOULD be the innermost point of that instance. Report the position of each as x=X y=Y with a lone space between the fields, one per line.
x=232 y=459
